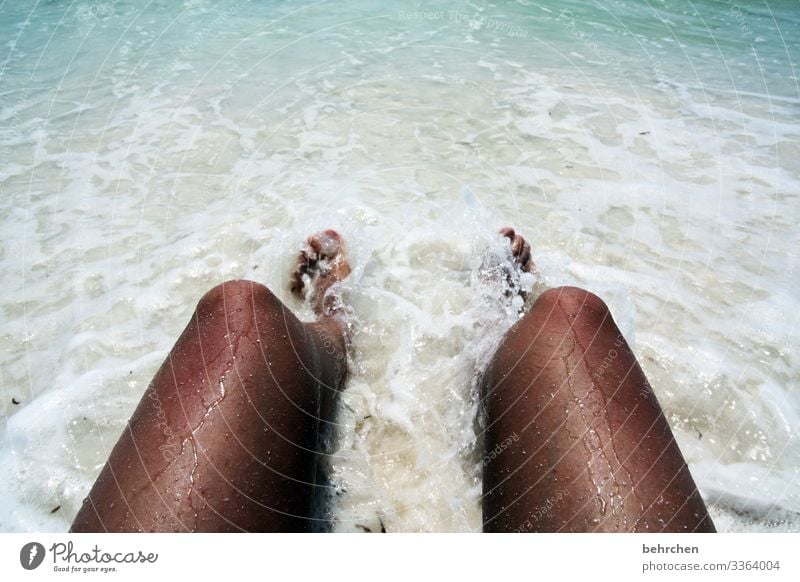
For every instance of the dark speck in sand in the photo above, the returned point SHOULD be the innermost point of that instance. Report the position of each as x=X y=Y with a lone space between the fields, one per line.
x=14 y=401
x=255 y=267
x=56 y=508
x=699 y=434
x=644 y=133
x=369 y=530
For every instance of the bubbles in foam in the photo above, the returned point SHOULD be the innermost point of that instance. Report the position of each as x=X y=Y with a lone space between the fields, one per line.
x=157 y=170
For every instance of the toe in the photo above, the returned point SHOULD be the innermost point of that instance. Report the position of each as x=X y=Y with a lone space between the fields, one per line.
x=508 y=232
x=328 y=244
x=297 y=279
x=520 y=248
x=305 y=263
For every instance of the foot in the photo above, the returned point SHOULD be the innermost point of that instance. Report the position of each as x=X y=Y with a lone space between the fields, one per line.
x=520 y=249
x=322 y=263
x=510 y=270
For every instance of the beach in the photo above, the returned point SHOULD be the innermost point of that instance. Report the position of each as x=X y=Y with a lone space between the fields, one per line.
x=649 y=151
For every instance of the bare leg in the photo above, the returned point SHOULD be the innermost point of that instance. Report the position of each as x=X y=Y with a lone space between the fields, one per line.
x=576 y=439
x=225 y=437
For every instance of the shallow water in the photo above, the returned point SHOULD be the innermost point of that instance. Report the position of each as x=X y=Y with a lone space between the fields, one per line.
x=649 y=151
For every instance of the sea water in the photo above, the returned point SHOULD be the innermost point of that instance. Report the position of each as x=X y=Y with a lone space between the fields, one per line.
x=648 y=150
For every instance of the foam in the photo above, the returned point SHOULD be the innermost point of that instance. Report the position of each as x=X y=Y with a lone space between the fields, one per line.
x=156 y=172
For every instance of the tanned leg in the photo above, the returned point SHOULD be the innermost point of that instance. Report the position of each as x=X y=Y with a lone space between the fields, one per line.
x=226 y=436
x=576 y=439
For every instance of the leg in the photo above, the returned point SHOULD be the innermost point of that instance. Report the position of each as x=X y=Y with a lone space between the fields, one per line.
x=577 y=440
x=225 y=437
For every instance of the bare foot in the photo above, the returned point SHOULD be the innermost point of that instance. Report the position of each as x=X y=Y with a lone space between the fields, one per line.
x=520 y=249
x=512 y=270
x=321 y=264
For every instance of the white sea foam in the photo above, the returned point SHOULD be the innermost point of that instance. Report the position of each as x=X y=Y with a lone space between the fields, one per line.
x=139 y=174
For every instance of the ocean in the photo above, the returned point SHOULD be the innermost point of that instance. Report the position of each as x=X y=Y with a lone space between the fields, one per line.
x=649 y=150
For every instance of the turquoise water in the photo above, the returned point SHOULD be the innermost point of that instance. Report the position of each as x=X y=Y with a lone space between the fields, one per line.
x=712 y=45
x=649 y=150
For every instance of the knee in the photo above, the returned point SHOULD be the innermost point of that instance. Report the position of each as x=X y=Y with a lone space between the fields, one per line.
x=572 y=301
x=238 y=295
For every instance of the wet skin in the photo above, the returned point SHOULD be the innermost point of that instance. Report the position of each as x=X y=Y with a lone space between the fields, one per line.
x=225 y=437
x=576 y=440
